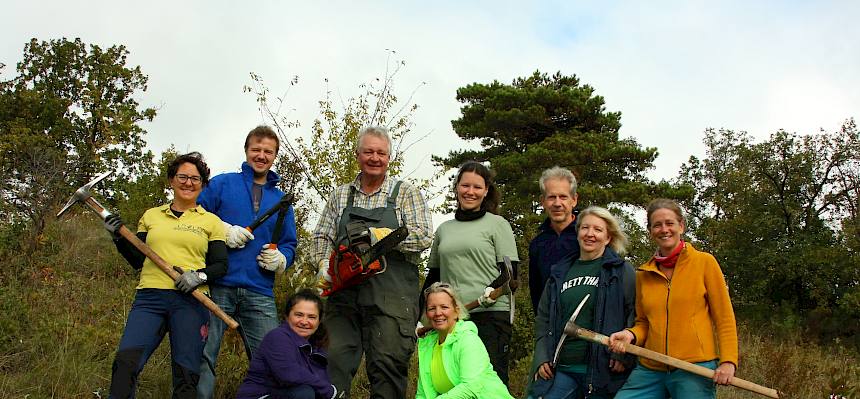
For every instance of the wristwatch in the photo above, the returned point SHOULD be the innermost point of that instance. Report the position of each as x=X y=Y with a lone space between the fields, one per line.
x=203 y=277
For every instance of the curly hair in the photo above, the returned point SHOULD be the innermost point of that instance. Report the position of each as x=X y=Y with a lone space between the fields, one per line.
x=195 y=158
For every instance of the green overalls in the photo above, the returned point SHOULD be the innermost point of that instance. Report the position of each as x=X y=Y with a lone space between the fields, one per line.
x=376 y=317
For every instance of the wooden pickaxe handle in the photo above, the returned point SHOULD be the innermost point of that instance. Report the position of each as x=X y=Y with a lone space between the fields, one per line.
x=167 y=269
x=592 y=336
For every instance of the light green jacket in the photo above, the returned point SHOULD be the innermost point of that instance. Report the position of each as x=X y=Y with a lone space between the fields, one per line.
x=466 y=363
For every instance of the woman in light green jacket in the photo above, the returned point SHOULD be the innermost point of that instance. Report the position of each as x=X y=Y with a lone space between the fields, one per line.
x=452 y=359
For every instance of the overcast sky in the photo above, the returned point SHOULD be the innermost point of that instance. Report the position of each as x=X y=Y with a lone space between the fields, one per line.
x=672 y=69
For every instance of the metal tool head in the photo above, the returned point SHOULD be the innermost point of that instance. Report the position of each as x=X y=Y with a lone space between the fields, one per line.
x=83 y=193
x=570 y=324
x=508 y=270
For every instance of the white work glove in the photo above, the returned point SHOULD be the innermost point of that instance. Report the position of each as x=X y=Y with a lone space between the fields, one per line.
x=237 y=236
x=484 y=300
x=272 y=260
x=323 y=278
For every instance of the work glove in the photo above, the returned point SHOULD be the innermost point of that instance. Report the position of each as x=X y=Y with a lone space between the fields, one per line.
x=378 y=233
x=112 y=224
x=323 y=278
x=272 y=260
x=237 y=236
x=484 y=300
x=189 y=280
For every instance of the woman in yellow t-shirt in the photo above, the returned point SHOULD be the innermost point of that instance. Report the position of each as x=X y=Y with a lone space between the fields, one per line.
x=192 y=239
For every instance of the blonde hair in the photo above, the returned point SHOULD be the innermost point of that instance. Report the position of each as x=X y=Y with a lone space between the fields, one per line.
x=446 y=288
x=618 y=240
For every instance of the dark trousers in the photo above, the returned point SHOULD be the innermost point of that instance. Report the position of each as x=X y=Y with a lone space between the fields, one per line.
x=495 y=331
x=154 y=313
x=386 y=341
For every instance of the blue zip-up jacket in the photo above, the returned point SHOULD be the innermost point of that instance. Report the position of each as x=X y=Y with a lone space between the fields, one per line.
x=614 y=310
x=285 y=360
x=547 y=249
x=228 y=195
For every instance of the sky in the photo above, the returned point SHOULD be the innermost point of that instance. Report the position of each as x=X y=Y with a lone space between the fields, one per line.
x=673 y=69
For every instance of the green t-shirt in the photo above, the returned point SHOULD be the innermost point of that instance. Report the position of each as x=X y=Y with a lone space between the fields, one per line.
x=581 y=279
x=467 y=254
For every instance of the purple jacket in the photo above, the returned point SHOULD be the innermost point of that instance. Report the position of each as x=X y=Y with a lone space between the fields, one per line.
x=284 y=359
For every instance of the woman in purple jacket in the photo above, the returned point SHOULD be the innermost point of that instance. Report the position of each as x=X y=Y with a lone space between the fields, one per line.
x=291 y=362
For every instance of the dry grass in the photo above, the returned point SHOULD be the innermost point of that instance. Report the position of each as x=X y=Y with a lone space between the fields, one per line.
x=65 y=307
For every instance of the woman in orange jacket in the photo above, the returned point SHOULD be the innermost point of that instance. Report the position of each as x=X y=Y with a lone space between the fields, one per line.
x=681 y=300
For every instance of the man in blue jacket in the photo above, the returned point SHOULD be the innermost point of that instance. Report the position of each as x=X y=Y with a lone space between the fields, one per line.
x=245 y=293
x=556 y=238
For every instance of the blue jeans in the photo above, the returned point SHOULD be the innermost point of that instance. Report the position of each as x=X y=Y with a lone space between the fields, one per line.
x=256 y=315
x=154 y=313
x=653 y=384
x=569 y=386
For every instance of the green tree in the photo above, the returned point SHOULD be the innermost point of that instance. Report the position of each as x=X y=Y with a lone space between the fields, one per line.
x=540 y=121
x=775 y=214
x=69 y=114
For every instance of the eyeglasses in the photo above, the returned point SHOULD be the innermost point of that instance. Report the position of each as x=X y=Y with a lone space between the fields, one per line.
x=195 y=180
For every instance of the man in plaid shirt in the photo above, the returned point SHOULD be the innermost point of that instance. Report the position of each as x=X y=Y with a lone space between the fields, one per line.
x=376 y=317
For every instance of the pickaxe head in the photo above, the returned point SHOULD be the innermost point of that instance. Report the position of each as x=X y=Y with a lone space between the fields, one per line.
x=84 y=195
x=569 y=328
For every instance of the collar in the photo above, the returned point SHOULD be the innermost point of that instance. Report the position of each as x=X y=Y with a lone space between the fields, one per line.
x=384 y=187
x=272 y=178
x=546 y=226
x=166 y=209
x=651 y=265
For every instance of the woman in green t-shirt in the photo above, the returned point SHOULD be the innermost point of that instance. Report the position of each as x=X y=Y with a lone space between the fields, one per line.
x=468 y=253
x=576 y=368
x=452 y=360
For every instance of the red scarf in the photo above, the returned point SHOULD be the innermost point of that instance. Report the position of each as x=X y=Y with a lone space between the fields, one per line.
x=669 y=261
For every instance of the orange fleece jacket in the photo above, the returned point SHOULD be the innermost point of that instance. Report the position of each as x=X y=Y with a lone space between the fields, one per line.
x=678 y=317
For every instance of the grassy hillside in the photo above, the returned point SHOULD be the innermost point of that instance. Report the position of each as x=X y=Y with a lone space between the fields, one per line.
x=64 y=309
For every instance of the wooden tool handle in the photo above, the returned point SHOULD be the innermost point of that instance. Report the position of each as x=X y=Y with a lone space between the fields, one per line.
x=592 y=336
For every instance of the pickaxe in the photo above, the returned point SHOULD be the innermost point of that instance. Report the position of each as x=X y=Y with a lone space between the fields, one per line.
x=84 y=195
x=503 y=288
x=573 y=330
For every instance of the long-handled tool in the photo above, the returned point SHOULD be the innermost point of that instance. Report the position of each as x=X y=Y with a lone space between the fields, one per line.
x=282 y=207
x=83 y=195
x=573 y=330
x=503 y=288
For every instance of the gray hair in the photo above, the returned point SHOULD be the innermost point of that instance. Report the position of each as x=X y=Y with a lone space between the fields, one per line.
x=618 y=240
x=375 y=131
x=557 y=172
x=438 y=287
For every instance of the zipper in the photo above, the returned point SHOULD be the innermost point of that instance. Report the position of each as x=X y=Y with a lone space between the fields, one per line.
x=668 y=292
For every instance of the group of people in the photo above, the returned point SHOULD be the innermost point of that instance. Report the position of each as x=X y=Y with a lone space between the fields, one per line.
x=677 y=303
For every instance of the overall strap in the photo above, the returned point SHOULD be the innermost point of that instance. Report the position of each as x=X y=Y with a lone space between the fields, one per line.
x=350 y=198
x=392 y=199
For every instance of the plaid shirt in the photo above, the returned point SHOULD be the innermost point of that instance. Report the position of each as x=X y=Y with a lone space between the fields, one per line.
x=410 y=207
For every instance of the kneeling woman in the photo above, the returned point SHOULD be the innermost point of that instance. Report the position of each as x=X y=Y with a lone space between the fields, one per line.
x=290 y=362
x=452 y=360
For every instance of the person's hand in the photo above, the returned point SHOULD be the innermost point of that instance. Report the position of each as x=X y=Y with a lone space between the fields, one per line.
x=484 y=300
x=237 y=236
x=616 y=366
x=189 y=280
x=272 y=260
x=545 y=371
x=618 y=340
x=323 y=278
x=724 y=373
x=113 y=224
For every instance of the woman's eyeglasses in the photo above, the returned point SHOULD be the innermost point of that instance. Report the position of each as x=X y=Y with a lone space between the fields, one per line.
x=195 y=180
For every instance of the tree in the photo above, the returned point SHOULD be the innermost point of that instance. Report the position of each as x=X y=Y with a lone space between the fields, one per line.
x=541 y=121
x=775 y=214
x=69 y=114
